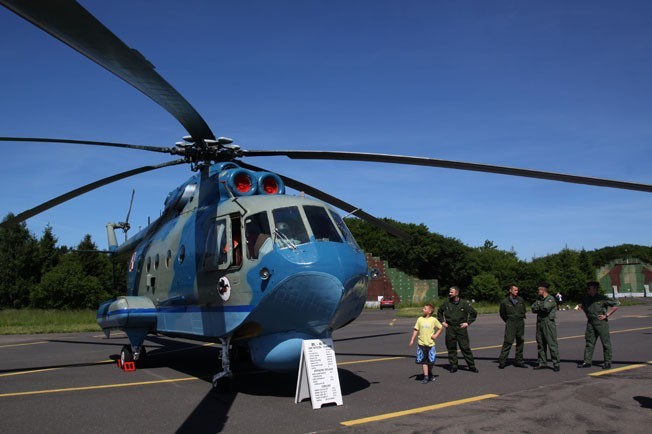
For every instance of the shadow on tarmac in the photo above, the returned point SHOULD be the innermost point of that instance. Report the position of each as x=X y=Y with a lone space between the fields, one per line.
x=646 y=402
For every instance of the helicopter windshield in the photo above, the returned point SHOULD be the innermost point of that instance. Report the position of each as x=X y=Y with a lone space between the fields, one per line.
x=344 y=229
x=289 y=228
x=258 y=235
x=321 y=225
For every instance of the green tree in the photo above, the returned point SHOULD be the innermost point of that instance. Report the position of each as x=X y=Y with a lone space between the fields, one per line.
x=95 y=263
x=425 y=255
x=19 y=265
x=504 y=265
x=485 y=286
x=67 y=286
x=48 y=252
x=565 y=276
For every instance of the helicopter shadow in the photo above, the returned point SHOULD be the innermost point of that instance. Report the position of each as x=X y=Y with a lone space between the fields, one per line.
x=211 y=415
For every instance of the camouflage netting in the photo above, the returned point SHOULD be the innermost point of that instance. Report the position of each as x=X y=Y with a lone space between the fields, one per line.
x=394 y=283
x=625 y=277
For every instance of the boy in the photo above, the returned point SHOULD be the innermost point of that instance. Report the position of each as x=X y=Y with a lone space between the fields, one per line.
x=426 y=352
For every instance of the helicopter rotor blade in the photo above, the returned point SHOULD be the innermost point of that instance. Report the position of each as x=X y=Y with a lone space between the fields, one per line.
x=81 y=190
x=131 y=202
x=86 y=142
x=69 y=22
x=339 y=203
x=433 y=162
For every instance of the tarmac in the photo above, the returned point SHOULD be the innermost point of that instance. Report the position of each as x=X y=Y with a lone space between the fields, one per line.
x=69 y=383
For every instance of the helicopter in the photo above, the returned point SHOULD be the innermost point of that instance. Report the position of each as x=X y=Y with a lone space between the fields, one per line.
x=232 y=258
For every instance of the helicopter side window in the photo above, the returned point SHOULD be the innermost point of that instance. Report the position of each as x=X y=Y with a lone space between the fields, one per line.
x=216 y=255
x=344 y=229
x=289 y=228
x=259 y=236
x=236 y=241
x=321 y=225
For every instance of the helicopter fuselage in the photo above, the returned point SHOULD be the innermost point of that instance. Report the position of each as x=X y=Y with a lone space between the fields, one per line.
x=232 y=255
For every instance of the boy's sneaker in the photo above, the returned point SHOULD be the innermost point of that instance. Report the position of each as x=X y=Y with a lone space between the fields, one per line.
x=431 y=378
x=425 y=380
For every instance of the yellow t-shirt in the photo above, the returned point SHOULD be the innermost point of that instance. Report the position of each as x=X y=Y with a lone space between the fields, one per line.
x=426 y=328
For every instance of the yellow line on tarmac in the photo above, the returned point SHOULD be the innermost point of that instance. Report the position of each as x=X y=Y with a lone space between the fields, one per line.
x=624 y=368
x=105 y=386
x=629 y=330
x=416 y=410
x=22 y=345
x=28 y=372
x=384 y=359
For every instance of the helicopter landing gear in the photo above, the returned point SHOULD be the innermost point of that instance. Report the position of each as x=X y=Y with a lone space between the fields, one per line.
x=132 y=358
x=222 y=380
x=126 y=361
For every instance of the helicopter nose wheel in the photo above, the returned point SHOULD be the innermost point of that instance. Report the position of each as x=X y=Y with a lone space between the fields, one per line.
x=132 y=358
x=126 y=361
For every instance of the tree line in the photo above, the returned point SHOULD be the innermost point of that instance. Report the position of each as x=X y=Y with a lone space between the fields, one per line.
x=485 y=272
x=36 y=272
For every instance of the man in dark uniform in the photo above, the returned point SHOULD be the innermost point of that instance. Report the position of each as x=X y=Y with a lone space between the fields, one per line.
x=545 y=307
x=598 y=308
x=512 y=312
x=456 y=314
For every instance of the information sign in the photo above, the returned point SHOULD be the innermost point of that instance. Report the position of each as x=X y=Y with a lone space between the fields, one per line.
x=318 y=378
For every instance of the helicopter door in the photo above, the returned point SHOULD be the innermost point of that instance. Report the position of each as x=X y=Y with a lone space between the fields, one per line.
x=223 y=249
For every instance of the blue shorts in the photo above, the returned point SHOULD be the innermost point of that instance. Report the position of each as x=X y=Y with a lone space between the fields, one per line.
x=426 y=355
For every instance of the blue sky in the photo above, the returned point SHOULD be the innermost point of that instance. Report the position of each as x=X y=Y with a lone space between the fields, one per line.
x=552 y=85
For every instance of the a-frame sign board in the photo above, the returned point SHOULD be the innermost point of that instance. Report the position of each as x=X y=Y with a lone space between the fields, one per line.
x=318 y=378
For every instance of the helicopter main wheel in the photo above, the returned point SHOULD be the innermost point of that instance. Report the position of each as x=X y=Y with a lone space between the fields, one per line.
x=141 y=362
x=126 y=362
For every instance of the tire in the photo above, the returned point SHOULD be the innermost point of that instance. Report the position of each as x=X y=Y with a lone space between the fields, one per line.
x=142 y=358
x=126 y=355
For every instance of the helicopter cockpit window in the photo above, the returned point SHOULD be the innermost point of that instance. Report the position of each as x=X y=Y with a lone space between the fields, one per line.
x=216 y=254
x=321 y=225
x=289 y=229
x=344 y=229
x=259 y=235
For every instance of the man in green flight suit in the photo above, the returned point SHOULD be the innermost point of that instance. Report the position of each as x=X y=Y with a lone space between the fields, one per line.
x=597 y=308
x=546 y=307
x=456 y=314
x=512 y=312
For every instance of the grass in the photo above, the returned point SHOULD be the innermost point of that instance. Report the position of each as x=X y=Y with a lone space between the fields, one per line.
x=481 y=307
x=484 y=307
x=33 y=321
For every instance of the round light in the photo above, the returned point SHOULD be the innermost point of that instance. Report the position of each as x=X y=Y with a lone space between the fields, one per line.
x=242 y=183
x=270 y=186
x=264 y=273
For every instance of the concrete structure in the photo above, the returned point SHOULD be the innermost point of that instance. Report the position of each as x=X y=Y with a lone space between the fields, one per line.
x=405 y=289
x=629 y=277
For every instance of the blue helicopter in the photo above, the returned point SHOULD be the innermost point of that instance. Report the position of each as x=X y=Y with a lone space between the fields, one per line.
x=232 y=258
